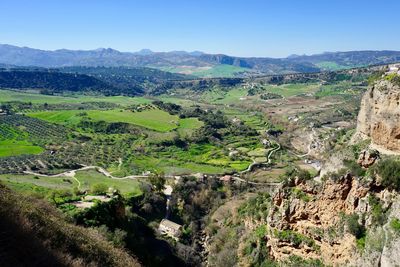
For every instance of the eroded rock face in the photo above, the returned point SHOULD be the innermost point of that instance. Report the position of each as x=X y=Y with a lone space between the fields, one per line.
x=315 y=217
x=367 y=158
x=315 y=214
x=379 y=117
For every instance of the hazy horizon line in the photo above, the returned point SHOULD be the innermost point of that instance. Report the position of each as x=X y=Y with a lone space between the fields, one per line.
x=194 y=51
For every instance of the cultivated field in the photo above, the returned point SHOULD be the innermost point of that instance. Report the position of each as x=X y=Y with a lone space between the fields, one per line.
x=35 y=97
x=14 y=147
x=154 y=119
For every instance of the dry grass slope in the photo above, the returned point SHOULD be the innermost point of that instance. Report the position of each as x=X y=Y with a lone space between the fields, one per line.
x=35 y=234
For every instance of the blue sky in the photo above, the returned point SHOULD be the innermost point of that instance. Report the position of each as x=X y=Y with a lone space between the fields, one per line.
x=244 y=28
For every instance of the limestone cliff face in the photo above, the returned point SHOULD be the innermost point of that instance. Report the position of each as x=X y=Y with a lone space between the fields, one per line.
x=318 y=216
x=308 y=220
x=379 y=117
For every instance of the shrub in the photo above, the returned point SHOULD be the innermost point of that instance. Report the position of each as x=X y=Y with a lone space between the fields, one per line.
x=389 y=171
x=354 y=227
x=99 y=189
x=361 y=243
x=354 y=168
x=300 y=194
x=377 y=211
x=374 y=77
x=295 y=261
x=395 y=225
x=295 y=238
x=304 y=175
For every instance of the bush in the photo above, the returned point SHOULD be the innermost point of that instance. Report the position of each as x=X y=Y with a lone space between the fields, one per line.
x=354 y=227
x=354 y=168
x=295 y=261
x=300 y=194
x=361 y=243
x=377 y=211
x=295 y=238
x=304 y=175
x=389 y=171
x=395 y=225
x=99 y=189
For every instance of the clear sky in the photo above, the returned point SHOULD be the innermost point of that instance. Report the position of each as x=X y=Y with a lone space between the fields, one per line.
x=236 y=27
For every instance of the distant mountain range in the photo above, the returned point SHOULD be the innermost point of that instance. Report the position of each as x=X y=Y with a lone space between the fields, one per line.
x=195 y=63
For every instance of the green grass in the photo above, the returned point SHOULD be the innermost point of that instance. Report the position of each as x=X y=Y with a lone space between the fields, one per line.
x=157 y=120
x=331 y=65
x=86 y=178
x=90 y=177
x=287 y=90
x=15 y=147
x=179 y=101
x=222 y=70
x=218 y=96
x=188 y=125
x=25 y=180
x=203 y=158
x=7 y=96
x=340 y=88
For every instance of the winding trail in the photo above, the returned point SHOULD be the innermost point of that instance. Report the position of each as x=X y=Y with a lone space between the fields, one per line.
x=72 y=174
x=270 y=153
x=269 y=159
x=79 y=182
x=312 y=137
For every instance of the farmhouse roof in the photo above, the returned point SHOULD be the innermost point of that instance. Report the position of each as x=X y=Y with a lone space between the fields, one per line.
x=170 y=224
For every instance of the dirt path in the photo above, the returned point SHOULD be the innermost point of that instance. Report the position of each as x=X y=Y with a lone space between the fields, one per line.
x=312 y=137
x=269 y=155
x=269 y=159
x=72 y=173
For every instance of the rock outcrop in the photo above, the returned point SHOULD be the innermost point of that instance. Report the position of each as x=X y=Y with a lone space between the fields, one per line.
x=367 y=158
x=309 y=220
x=379 y=117
x=315 y=212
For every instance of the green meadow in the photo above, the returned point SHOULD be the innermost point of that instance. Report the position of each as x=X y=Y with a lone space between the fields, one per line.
x=90 y=177
x=86 y=178
x=15 y=147
x=153 y=119
x=222 y=70
x=218 y=96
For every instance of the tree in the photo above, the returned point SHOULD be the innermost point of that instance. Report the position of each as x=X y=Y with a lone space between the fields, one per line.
x=158 y=181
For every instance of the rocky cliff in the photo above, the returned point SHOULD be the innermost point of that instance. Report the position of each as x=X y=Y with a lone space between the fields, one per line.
x=344 y=221
x=379 y=117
